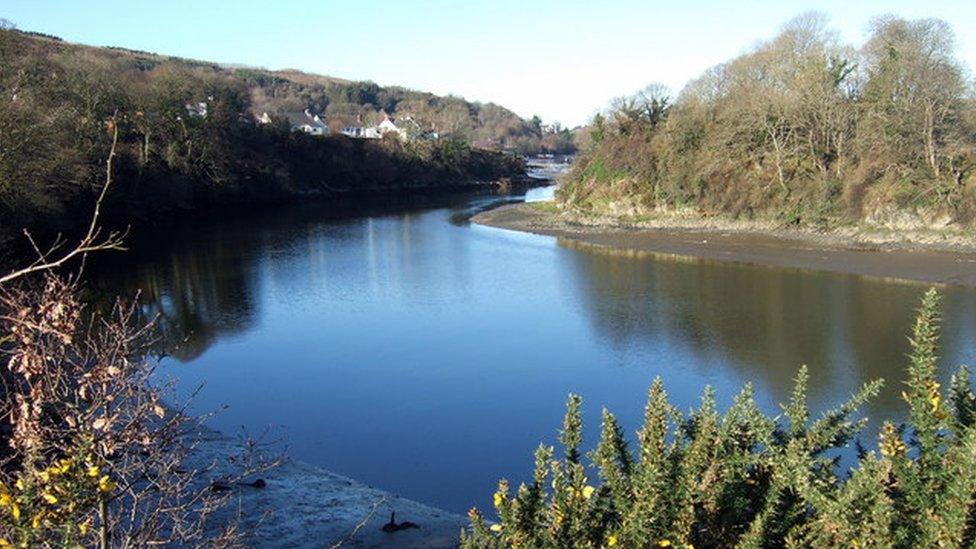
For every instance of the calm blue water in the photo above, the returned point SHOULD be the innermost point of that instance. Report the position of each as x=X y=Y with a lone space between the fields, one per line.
x=404 y=347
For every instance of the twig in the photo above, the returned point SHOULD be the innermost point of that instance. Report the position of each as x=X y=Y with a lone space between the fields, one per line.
x=89 y=243
x=361 y=524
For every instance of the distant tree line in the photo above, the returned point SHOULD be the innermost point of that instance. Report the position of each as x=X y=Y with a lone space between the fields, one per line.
x=803 y=128
x=58 y=101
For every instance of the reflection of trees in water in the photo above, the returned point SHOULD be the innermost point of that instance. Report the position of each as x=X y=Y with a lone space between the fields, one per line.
x=766 y=322
x=199 y=289
x=202 y=278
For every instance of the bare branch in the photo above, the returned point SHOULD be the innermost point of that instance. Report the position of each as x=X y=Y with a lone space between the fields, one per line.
x=91 y=242
x=361 y=524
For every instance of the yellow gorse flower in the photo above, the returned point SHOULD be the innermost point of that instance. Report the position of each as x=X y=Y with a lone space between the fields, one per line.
x=891 y=444
x=105 y=484
x=585 y=493
x=557 y=517
x=611 y=540
x=65 y=465
x=498 y=499
x=664 y=543
x=892 y=448
x=495 y=527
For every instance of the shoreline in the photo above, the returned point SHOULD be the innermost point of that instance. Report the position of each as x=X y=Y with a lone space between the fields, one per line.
x=921 y=257
x=13 y=246
x=303 y=505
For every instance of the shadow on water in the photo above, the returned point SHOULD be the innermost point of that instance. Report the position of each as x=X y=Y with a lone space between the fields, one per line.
x=198 y=277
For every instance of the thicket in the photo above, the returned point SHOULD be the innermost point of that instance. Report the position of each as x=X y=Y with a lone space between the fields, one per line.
x=90 y=456
x=803 y=128
x=743 y=479
x=56 y=99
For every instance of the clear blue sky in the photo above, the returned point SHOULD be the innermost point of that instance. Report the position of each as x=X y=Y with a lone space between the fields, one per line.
x=559 y=59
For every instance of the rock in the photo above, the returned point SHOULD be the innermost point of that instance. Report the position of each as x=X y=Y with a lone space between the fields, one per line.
x=392 y=526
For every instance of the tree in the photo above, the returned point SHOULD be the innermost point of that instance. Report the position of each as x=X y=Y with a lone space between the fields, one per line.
x=536 y=123
x=801 y=128
x=642 y=110
x=913 y=89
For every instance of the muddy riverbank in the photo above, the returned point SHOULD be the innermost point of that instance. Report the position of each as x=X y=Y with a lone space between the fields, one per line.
x=925 y=258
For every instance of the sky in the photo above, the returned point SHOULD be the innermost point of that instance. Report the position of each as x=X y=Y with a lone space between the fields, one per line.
x=562 y=60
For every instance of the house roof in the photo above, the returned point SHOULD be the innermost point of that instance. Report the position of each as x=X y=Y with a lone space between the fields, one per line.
x=346 y=121
x=299 y=118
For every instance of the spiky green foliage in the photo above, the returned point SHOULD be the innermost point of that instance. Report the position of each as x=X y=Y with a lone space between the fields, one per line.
x=743 y=479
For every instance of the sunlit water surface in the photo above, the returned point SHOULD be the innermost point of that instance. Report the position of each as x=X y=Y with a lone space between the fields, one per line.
x=407 y=348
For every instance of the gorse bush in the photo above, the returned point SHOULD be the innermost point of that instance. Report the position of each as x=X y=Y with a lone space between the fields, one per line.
x=742 y=479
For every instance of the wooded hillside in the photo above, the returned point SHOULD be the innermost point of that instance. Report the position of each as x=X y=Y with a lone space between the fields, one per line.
x=803 y=128
x=58 y=100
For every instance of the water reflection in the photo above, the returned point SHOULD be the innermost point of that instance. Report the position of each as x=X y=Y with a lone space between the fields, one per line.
x=766 y=322
x=397 y=344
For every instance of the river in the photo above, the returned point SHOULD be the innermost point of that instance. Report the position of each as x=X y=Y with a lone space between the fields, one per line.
x=399 y=344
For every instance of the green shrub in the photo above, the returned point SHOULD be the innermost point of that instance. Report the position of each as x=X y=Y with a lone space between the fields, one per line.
x=743 y=479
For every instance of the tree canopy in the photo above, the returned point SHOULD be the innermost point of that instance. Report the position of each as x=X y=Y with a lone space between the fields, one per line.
x=804 y=128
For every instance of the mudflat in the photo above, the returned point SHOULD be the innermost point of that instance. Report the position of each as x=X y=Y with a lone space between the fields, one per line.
x=932 y=260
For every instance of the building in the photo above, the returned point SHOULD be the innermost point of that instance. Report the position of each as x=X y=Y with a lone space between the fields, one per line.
x=353 y=126
x=406 y=128
x=389 y=126
x=304 y=122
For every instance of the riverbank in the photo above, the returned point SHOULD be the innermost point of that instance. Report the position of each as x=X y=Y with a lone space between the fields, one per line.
x=305 y=506
x=15 y=248
x=940 y=258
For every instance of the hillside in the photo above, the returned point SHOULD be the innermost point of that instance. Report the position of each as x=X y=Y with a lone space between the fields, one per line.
x=190 y=139
x=485 y=125
x=801 y=130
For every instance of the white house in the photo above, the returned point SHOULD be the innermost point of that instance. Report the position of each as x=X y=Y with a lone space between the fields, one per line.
x=360 y=132
x=388 y=126
x=406 y=128
x=306 y=122
x=353 y=127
